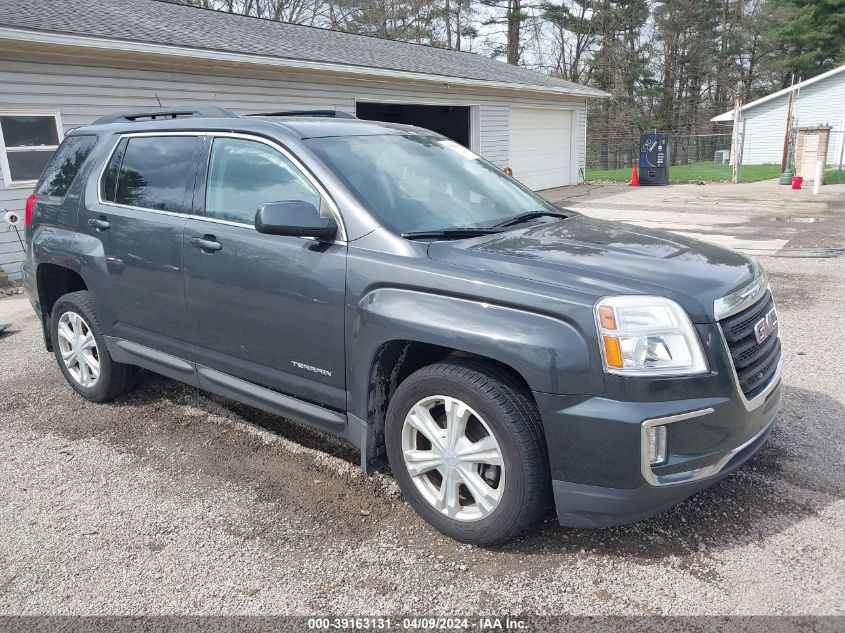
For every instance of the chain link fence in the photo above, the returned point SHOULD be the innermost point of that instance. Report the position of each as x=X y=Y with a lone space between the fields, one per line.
x=692 y=157
x=702 y=158
x=619 y=152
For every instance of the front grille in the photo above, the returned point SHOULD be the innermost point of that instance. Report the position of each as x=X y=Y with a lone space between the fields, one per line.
x=755 y=363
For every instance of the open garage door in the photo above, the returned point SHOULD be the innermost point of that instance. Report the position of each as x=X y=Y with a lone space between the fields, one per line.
x=540 y=146
x=450 y=121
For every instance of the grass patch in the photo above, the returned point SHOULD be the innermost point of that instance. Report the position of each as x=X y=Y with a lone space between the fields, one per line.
x=833 y=176
x=693 y=172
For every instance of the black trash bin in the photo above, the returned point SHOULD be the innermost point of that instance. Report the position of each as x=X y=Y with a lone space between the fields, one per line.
x=654 y=158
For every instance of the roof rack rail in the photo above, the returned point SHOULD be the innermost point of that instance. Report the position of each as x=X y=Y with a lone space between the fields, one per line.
x=330 y=114
x=158 y=114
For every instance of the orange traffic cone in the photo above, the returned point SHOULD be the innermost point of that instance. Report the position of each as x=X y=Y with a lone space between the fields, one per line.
x=635 y=177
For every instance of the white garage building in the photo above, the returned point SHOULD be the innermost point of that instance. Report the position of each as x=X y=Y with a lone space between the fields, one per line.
x=818 y=101
x=63 y=64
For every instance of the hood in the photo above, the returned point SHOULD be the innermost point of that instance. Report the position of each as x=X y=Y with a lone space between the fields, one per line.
x=605 y=258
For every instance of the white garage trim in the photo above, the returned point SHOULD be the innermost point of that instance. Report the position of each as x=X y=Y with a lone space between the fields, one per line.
x=546 y=156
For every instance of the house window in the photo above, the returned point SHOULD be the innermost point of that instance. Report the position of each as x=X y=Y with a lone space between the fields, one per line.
x=27 y=141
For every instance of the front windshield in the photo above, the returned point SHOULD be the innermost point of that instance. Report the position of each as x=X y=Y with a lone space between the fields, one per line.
x=424 y=183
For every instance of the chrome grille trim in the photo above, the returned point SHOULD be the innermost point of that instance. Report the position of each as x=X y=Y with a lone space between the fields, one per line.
x=741 y=299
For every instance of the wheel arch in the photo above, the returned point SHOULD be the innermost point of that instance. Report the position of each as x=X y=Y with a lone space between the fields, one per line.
x=394 y=331
x=397 y=359
x=54 y=281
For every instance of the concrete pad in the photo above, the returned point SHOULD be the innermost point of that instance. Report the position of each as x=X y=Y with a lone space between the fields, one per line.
x=761 y=218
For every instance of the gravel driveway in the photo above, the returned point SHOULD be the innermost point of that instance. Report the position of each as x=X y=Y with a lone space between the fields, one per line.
x=173 y=501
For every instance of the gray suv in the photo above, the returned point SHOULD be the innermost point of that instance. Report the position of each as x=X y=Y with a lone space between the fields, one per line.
x=384 y=284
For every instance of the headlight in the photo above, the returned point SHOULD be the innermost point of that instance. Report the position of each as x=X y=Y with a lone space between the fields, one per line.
x=647 y=336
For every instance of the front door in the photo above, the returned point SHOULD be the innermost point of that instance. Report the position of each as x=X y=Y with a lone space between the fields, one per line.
x=264 y=308
x=138 y=217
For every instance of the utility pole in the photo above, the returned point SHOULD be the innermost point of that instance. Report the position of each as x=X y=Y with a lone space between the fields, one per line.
x=736 y=141
x=788 y=134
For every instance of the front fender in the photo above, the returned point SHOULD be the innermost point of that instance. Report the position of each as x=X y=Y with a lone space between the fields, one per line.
x=552 y=355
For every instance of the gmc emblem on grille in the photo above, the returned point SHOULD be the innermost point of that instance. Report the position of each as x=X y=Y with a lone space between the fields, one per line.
x=766 y=326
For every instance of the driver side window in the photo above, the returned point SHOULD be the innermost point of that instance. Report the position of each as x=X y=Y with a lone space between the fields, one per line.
x=244 y=174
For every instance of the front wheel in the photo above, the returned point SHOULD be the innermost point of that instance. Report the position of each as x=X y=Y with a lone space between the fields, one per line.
x=465 y=444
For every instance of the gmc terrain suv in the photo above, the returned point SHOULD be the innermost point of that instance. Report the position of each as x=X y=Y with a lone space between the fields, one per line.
x=385 y=284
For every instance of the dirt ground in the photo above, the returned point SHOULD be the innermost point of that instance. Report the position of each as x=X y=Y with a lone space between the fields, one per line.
x=170 y=501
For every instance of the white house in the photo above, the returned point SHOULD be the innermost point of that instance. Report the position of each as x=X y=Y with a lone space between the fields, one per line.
x=63 y=64
x=818 y=101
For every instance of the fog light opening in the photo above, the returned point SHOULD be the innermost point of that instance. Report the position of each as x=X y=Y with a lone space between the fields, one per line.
x=656 y=438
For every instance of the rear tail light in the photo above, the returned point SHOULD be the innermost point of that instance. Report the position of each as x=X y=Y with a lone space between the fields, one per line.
x=30 y=207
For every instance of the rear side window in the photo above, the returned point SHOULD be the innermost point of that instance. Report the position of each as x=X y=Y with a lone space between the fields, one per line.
x=152 y=172
x=65 y=164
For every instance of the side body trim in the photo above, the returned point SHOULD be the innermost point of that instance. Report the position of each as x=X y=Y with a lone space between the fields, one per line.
x=131 y=353
x=124 y=351
x=271 y=401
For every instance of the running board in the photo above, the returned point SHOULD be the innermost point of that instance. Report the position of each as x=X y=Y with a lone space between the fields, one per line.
x=272 y=401
x=131 y=353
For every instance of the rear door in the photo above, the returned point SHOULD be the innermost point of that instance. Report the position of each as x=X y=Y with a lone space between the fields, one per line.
x=138 y=217
x=268 y=309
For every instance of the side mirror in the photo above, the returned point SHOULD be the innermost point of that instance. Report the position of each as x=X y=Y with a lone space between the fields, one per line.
x=295 y=218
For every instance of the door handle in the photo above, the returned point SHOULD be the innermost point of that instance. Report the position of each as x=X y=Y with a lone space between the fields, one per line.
x=99 y=224
x=206 y=243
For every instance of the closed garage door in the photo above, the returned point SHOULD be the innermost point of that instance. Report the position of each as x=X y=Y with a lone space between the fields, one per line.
x=540 y=146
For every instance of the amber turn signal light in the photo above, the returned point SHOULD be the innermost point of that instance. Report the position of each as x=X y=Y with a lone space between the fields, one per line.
x=612 y=352
x=607 y=318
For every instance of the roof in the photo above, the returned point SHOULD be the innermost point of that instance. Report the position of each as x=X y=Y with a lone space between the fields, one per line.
x=729 y=115
x=166 y=28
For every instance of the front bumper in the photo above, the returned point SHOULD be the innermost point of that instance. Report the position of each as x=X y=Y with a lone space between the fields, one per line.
x=601 y=476
x=584 y=506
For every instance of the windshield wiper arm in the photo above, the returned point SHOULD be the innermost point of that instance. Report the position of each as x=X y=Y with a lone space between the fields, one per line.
x=524 y=217
x=458 y=231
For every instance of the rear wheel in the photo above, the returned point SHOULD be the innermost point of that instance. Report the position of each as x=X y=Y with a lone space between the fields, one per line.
x=466 y=447
x=81 y=350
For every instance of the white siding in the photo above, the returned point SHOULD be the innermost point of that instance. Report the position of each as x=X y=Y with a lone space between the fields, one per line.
x=821 y=103
x=83 y=89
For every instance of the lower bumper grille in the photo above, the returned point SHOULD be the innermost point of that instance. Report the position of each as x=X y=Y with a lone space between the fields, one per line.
x=755 y=363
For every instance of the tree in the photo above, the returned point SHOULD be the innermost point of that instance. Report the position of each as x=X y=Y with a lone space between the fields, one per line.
x=811 y=37
x=510 y=14
x=669 y=64
x=574 y=33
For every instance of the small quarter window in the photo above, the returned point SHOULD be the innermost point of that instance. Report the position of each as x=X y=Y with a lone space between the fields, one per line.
x=65 y=164
x=155 y=172
x=27 y=141
x=108 y=185
x=243 y=175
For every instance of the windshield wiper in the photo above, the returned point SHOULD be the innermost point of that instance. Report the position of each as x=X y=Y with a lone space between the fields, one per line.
x=525 y=217
x=454 y=232
x=475 y=231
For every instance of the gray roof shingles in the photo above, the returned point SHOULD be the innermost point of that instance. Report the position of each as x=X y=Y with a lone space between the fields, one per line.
x=157 y=22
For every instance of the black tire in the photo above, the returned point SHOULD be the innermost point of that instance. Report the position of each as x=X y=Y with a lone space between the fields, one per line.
x=512 y=416
x=115 y=378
